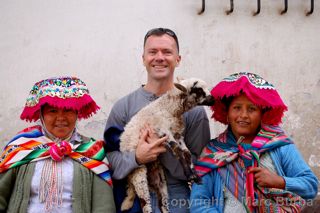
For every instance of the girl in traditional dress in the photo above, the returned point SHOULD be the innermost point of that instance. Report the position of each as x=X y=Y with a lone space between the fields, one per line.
x=253 y=166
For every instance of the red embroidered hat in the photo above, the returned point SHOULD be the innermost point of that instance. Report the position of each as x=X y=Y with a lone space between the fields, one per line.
x=61 y=92
x=259 y=92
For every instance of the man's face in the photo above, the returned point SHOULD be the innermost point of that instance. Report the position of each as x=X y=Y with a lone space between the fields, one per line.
x=160 y=57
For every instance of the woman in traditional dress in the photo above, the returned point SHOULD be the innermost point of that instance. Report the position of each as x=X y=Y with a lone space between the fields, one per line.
x=253 y=166
x=50 y=167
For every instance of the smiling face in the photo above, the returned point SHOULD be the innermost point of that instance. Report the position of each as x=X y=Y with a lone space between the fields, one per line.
x=59 y=122
x=244 y=118
x=160 y=57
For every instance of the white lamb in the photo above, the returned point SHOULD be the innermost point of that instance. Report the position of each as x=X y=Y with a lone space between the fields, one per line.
x=165 y=116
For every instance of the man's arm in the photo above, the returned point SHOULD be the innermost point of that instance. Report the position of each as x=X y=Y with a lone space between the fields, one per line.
x=122 y=163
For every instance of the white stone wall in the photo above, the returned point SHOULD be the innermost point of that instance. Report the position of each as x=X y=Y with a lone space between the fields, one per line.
x=100 y=41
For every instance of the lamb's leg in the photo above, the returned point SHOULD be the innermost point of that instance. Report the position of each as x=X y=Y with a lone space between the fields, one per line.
x=188 y=164
x=139 y=181
x=157 y=182
x=128 y=201
x=180 y=150
x=178 y=147
x=163 y=193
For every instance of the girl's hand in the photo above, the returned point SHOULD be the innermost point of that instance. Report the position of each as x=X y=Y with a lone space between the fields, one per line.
x=265 y=178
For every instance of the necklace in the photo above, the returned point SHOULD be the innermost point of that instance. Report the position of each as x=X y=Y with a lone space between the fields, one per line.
x=51 y=184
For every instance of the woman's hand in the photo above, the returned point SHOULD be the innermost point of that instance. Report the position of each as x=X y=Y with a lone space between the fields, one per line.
x=265 y=178
x=150 y=146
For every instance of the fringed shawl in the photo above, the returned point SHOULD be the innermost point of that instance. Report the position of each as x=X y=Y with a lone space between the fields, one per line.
x=233 y=160
x=31 y=145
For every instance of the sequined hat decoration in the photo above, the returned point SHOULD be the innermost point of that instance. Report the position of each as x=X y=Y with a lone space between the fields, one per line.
x=61 y=92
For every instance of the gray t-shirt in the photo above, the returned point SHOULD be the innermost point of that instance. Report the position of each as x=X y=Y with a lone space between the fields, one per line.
x=196 y=136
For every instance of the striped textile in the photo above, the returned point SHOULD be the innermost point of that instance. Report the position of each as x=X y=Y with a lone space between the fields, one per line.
x=31 y=145
x=233 y=160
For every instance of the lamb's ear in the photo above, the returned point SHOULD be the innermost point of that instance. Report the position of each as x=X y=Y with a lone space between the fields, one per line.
x=180 y=87
x=179 y=79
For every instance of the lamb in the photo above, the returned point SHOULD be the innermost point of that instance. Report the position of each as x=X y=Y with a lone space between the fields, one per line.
x=165 y=116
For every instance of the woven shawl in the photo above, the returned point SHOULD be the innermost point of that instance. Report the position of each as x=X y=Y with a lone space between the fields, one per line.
x=233 y=161
x=31 y=145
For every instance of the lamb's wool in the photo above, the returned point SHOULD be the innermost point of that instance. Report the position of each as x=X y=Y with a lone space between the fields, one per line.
x=165 y=116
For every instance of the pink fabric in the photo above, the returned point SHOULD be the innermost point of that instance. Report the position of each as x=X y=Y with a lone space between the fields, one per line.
x=85 y=106
x=262 y=97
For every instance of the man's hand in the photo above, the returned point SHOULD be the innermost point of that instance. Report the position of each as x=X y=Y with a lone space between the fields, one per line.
x=265 y=178
x=150 y=146
x=152 y=135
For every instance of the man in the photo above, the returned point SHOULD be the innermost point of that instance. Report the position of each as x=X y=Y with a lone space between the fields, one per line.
x=160 y=57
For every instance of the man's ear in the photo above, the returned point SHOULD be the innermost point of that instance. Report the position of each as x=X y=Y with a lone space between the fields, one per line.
x=143 y=61
x=178 y=61
x=180 y=87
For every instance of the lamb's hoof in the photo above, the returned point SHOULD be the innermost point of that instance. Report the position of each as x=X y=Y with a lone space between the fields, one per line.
x=164 y=210
x=194 y=178
x=126 y=205
x=164 y=205
x=147 y=209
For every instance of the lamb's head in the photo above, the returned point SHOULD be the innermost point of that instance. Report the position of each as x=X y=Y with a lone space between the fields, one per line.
x=195 y=92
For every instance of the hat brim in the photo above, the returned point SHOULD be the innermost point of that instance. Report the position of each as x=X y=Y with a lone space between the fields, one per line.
x=85 y=107
x=265 y=98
